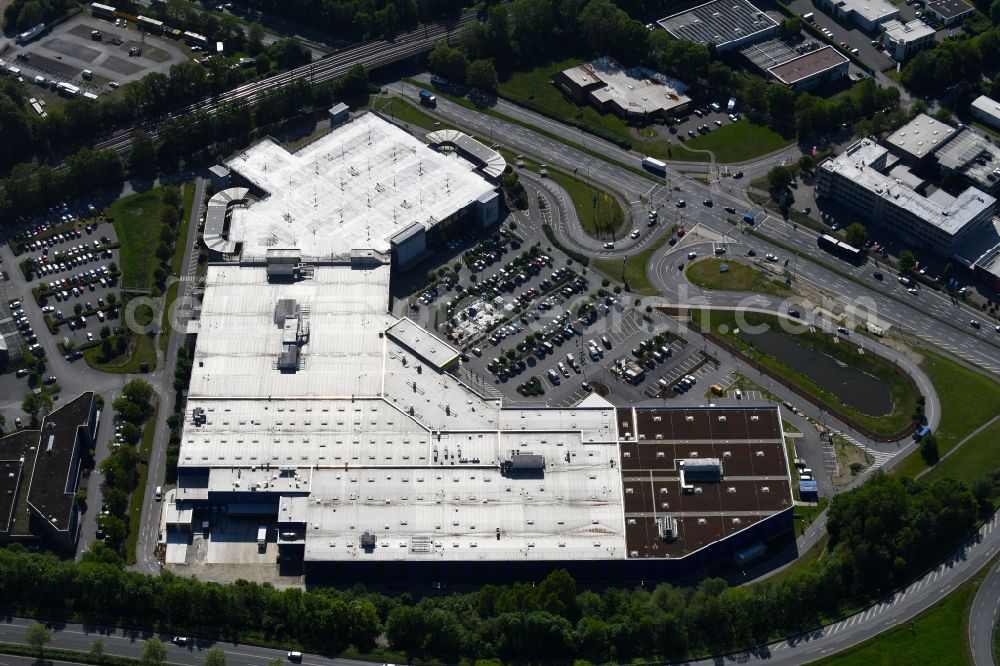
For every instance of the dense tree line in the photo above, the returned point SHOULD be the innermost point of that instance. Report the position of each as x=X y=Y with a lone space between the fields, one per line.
x=195 y=139
x=119 y=469
x=360 y=19
x=881 y=535
x=955 y=67
x=23 y=14
x=80 y=121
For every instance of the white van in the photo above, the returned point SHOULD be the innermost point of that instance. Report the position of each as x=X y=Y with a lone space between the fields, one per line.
x=159 y=493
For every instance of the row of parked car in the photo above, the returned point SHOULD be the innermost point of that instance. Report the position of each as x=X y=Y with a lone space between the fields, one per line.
x=62 y=288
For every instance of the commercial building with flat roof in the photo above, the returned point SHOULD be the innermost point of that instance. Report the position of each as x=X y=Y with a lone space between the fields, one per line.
x=858 y=179
x=765 y=55
x=920 y=138
x=866 y=14
x=904 y=40
x=950 y=12
x=41 y=470
x=342 y=429
x=987 y=110
x=630 y=92
x=729 y=24
x=807 y=71
x=355 y=188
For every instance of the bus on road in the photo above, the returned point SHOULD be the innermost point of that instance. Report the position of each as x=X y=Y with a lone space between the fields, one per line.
x=655 y=165
x=840 y=248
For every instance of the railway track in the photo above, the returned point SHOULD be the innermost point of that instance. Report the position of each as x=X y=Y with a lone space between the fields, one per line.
x=370 y=54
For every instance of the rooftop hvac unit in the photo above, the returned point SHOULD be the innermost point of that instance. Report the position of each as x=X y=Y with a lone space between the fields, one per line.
x=667 y=528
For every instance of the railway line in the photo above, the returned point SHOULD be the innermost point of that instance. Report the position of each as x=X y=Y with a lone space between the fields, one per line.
x=370 y=54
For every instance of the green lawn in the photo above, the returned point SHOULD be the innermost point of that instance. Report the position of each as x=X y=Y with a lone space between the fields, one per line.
x=968 y=400
x=903 y=397
x=183 y=228
x=144 y=352
x=168 y=301
x=740 y=277
x=137 y=224
x=600 y=213
x=403 y=110
x=978 y=455
x=936 y=637
x=738 y=142
x=635 y=268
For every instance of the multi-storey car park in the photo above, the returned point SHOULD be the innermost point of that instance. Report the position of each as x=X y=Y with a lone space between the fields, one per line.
x=338 y=428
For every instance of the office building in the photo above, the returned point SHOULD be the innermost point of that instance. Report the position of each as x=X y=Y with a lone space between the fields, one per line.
x=903 y=40
x=862 y=179
x=866 y=14
x=950 y=12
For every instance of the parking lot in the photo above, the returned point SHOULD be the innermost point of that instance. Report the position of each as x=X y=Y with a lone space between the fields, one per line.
x=122 y=54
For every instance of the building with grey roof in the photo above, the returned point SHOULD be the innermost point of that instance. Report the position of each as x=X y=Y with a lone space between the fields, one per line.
x=729 y=24
x=858 y=180
x=950 y=12
x=822 y=66
x=866 y=14
x=920 y=138
x=765 y=55
x=41 y=471
x=987 y=110
x=904 y=40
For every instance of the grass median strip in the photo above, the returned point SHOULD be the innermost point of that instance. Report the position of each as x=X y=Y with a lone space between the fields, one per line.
x=708 y=274
x=135 y=504
x=600 y=214
x=633 y=273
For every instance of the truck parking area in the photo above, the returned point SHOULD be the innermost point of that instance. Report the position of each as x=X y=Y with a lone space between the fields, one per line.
x=112 y=54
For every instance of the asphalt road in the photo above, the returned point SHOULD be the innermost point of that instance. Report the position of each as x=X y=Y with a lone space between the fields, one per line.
x=983 y=618
x=930 y=315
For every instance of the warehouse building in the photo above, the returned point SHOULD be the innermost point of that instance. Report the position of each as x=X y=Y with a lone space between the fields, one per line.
x=866 y=14
x=904 y=40
x=950 y=12
x=632 y=92
x=39 y=473
x=863 y=179
x=987 y=110
x=729 y=24
x=365 y=185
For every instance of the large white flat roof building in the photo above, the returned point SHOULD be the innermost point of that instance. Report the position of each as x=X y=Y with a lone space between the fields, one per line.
x=313 y=410
x=986 y=109
x=355 y=188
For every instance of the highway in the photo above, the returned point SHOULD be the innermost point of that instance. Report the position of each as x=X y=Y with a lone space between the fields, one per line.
x=929 y=315
x=983 y=619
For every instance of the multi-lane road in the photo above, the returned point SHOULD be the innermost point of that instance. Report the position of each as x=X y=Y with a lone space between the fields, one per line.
x=929 y=315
